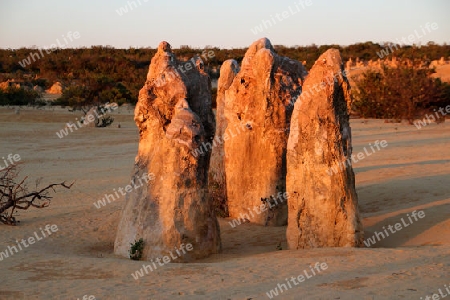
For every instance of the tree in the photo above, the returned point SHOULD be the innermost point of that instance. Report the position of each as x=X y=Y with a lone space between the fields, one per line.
x=18 y=96
x=75 y=96
x=15 y=194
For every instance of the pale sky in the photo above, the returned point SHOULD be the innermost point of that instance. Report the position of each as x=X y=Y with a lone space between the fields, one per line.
x=226 y=23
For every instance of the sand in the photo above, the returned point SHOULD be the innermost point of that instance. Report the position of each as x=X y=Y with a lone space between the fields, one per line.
x=411 y=174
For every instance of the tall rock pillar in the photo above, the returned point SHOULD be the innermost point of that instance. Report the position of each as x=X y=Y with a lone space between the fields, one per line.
x=174 y=118
x=258 y=107
x=217 y=178
x=323 y=204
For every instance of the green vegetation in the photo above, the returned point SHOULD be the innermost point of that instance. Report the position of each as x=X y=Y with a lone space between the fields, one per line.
x=136 y=249
x=398 y=93
x=18 y=96
x=101 y=74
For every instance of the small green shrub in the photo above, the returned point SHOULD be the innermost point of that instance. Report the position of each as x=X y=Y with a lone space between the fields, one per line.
x=136 y=249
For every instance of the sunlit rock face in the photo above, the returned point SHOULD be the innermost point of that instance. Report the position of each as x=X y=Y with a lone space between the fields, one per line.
x=258 y=107
x=174 y=118
x=217 y=178
x=323 y=204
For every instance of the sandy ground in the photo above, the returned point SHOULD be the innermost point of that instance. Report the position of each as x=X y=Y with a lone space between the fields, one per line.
x=411 y=173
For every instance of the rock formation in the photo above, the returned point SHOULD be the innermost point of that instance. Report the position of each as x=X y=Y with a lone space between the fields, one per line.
x=394 y=62
x=174 y=118
x=323 y=204
x=9 y=83
x=258 y=107
x=349 y=64
x=217 y=179
x=56 y=88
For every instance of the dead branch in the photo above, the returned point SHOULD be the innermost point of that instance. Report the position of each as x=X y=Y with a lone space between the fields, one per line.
x=15 y=195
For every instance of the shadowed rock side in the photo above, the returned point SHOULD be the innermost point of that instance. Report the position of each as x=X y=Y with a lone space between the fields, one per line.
x=174 y=118
x=323 y=205
x=258 y=107
x=217 y=179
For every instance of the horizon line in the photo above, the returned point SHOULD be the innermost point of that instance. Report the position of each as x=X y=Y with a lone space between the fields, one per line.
x=382 y=44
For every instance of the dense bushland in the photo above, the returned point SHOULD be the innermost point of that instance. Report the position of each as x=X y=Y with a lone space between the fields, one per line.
x=101 y=74
x=399 y=93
